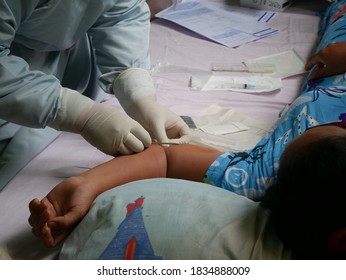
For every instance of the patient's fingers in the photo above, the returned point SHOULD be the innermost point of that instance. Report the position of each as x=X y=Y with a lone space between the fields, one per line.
x=47 y=237
x=314 y=60
x=48 y=225
x=35 y=207
x=40 y=212
x=320 y=72
x=59 y=229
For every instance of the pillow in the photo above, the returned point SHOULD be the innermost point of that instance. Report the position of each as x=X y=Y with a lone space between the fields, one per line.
x=173 y=220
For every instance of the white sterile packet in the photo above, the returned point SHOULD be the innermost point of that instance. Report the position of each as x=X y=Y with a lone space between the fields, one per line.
x=223 y=128
x=287 y=63
x=247 y=84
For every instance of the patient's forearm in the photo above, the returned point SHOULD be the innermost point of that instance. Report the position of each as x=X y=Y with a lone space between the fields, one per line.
x=188 y=162
x=151 y=163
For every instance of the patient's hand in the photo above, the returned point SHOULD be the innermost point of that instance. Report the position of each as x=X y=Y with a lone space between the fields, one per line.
x=55 y=216
x=329 y=61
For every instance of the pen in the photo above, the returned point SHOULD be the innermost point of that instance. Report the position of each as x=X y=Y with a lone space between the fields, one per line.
x=242 y=68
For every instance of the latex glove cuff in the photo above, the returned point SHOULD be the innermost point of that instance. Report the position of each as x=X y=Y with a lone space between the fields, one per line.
x=132 y=85
x=72 y=106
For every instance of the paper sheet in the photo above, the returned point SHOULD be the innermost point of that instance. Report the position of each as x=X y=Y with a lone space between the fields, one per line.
x=231 y=26
x=287 y=63
x=236 y=141
x=223 y=128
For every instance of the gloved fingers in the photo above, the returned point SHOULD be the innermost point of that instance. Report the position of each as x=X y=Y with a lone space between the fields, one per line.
x=181 y=129
x=159 y=134
x=142 y=135
x=185 y=132
x=133 y=144
x=183 y=139
x=123 y=150
x=177 y=141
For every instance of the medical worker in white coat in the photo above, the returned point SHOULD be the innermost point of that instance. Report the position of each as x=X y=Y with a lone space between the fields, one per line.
x=53 y=50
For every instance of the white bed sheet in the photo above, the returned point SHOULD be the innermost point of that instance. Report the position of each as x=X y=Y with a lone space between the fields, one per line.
x=171 y=45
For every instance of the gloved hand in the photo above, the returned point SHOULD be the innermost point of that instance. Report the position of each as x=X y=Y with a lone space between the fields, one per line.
x=104 y=127
x=136 y=93
x=163 y=125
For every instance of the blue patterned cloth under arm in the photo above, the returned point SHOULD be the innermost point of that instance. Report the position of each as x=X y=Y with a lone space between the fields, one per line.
x=322 y=101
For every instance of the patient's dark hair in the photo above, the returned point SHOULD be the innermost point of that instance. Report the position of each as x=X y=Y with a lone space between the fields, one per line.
x=308 y=200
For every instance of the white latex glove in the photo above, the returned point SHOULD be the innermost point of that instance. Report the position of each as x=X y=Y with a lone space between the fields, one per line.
x=163 y=125
x=135 y=91
x=104 y=127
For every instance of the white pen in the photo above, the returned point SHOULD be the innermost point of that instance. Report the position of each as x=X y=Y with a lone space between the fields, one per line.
x=256 y=68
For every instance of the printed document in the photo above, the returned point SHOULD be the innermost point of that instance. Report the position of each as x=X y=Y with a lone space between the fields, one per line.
x=231 y=26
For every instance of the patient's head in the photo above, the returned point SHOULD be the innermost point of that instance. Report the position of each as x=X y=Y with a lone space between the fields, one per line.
x=308 y=199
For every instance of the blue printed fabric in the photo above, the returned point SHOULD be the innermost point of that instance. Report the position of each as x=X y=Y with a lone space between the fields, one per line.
x=322 y=101
x=333 y=26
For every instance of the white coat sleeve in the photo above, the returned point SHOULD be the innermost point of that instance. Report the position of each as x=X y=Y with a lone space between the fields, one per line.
x=120 y=38
x=29 y=98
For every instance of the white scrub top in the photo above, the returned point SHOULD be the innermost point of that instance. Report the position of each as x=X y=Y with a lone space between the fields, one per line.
x=46 y=44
